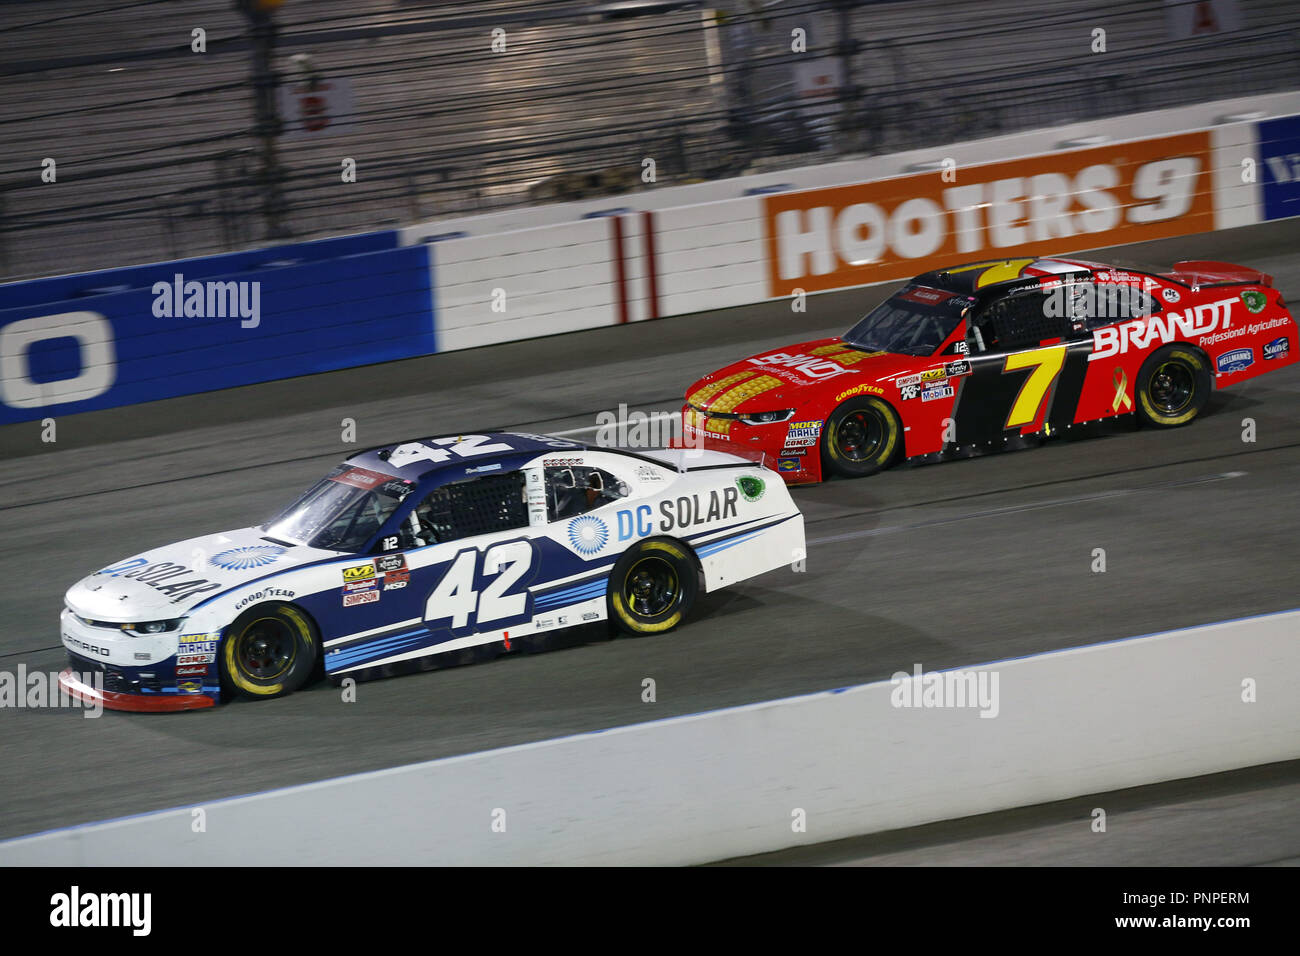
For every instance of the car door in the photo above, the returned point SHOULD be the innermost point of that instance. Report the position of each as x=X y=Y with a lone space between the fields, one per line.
x=454 y=565
x=1028 y=359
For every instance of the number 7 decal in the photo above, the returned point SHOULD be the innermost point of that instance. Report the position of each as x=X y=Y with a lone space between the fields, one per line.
x=1046 y=364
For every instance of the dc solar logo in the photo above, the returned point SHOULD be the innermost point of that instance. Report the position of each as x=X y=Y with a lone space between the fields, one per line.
x=587 y=534
x=241 y=559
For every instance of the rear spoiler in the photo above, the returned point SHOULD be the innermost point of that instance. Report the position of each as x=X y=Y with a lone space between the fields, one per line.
x=1203 y=272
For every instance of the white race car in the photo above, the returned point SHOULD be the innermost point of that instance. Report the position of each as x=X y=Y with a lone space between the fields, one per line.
x=422 y=548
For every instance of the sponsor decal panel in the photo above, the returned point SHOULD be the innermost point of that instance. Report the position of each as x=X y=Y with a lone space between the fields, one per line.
x=359 y=572
x=196 y=644
x=1278 y=348
x=803 y=430
x=787 y=464
x=363 y=478
x=751 y=487
x=840 y=236
x=1238 y=360
x=362 y=597
x=266 y=594
x=932 y=394
x=1255 y=301
x=859 y=390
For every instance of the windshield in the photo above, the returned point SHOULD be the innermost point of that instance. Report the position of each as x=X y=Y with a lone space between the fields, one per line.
x=342 y=511
x=915 y=321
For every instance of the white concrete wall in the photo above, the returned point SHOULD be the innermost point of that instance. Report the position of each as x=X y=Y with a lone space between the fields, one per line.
x=727 y=783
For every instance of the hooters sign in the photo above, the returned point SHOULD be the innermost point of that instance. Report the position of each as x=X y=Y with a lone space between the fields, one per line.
x=851 y=235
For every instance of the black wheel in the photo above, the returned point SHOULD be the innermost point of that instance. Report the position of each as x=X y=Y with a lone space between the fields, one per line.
x=861 y=437
x=269 y=651
x=1173 y=386
x=652 y=587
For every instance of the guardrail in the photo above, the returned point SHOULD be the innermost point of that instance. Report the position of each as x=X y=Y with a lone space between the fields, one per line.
x=123 y=336
x=769 y=776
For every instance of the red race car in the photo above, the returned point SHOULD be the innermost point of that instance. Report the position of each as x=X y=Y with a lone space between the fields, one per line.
x=973 y=356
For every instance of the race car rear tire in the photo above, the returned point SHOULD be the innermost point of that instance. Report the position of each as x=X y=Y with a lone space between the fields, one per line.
x=269 y=651
x=652 y=587
x=1173 y=386
x=861 y=437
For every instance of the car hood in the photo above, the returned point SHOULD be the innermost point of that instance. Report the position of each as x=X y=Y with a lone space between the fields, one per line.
x=792 y=375
x=168 y=582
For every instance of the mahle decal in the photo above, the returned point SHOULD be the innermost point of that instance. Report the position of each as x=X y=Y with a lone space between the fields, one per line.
x=752 y=488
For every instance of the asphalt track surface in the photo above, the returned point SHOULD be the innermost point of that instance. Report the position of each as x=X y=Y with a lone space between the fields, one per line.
x=942 y=564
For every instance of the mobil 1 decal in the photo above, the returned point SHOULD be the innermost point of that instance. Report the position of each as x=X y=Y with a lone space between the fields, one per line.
x=1020 y=391
x=483 y=589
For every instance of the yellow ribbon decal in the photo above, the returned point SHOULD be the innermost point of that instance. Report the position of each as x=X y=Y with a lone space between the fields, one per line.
x=1121 y=391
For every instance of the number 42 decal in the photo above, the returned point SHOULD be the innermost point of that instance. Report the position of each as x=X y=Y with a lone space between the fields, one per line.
x=475 y=590
x=1046 y=364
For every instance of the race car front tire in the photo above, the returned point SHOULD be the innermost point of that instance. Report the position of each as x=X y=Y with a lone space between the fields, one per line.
x=269 y=651
x=652 y=587
x=861 y=437
x=1173 y=386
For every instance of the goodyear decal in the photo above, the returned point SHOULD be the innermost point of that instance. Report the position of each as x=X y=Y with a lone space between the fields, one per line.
x=859 y=390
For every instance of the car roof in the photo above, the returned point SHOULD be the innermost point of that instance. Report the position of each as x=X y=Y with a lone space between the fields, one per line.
x=402 y=459
x=1001 y=274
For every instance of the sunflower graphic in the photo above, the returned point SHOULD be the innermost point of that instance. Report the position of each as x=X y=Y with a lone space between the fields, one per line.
x=587 y=534
x=241 y=559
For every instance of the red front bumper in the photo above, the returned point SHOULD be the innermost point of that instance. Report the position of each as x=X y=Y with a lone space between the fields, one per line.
x=140 y=703
x=759 y=443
